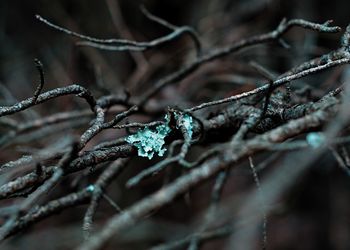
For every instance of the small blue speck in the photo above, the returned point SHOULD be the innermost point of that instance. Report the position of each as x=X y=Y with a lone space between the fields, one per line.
x=90 y=188
x=315 y=139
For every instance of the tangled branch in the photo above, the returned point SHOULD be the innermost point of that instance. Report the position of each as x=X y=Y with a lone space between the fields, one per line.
x=248 y=125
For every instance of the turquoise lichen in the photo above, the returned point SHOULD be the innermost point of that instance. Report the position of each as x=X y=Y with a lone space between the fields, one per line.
x=315 y=139
x=90 y=188
x=187 y=122
x=150 y=141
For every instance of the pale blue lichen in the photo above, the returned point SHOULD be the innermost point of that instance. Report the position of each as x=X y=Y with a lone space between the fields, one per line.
x=187 y=121
x=315 y=139
x=90 y=188
x=149 y=141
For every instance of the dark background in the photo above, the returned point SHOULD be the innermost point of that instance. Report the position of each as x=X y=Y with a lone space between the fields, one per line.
x=314 y=215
